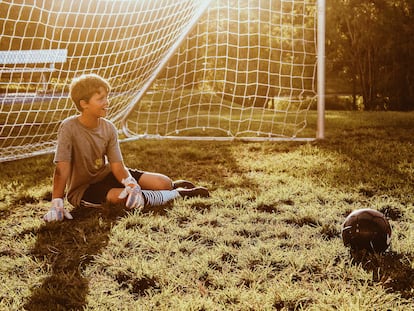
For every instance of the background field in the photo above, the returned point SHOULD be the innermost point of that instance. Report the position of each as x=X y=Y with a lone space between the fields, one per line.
x=267 y=239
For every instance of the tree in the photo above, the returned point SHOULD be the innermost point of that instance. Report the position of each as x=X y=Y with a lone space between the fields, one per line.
x=369 y=43
x=399 y=82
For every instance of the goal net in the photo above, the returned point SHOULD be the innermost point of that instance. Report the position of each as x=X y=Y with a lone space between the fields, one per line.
x=188 y=69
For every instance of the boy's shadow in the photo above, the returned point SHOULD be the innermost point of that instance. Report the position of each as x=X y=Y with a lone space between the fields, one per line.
x=66 y=248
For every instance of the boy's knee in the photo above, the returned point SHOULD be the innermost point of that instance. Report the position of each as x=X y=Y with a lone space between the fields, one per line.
x=164 y=183
x=155 y=182
x=113 y=196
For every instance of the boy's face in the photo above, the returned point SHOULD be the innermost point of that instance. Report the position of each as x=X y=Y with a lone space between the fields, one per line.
x=97 y=105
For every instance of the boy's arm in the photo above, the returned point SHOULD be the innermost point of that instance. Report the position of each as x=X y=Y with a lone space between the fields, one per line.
x=60 y=177
x=120 y=172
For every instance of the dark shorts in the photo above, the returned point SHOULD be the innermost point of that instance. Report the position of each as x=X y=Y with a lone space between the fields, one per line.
x=96 y=193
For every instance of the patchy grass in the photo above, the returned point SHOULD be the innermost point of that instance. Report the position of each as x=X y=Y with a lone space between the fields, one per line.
x=267 y=239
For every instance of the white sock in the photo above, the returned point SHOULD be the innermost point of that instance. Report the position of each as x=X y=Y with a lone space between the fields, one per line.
x=159 y=197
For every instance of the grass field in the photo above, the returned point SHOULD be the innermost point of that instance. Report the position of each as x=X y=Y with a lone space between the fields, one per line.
x=268 y=238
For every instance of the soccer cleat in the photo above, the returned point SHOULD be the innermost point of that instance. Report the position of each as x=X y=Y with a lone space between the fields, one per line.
x=183 y=184
x=194 y=192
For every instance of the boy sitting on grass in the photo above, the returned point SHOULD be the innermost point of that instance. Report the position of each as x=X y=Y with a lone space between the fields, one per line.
x=89 y=161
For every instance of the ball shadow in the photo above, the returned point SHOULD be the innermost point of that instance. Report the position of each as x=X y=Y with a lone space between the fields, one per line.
x=392 y=270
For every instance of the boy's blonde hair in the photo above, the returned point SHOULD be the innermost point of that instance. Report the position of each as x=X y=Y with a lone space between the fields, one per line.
x=85 y=86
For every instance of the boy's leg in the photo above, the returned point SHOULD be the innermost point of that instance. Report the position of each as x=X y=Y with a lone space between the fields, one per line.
x=156 y=181
x=159 y=197
x=151 y=197
x=157 y=189
x=96 y=194
x=152 y=181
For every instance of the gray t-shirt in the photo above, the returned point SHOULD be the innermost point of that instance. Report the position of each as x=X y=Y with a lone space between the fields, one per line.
x=89 y=151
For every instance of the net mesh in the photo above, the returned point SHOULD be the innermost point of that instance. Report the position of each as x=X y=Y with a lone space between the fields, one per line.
x=179 y=69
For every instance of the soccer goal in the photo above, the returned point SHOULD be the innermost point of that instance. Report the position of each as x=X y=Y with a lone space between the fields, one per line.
x=188 y=69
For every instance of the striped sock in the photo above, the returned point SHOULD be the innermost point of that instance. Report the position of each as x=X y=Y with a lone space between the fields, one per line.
x=159 y=197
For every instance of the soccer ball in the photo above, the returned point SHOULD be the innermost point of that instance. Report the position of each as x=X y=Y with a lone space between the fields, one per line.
x=366 y=229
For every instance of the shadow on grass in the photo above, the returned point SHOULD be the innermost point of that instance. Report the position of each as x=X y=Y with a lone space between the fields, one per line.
x=203 y=162
x=376 y=150
x=392 y=270
x=66 y=248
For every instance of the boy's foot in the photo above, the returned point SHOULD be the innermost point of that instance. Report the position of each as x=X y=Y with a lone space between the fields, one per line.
x=194 y=192
x=183 y=184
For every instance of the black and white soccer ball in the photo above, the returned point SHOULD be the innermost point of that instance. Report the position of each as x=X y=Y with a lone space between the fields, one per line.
x=366 y=229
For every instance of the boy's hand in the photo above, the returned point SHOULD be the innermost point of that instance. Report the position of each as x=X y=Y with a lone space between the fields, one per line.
x=57 y=211
x=133 y=193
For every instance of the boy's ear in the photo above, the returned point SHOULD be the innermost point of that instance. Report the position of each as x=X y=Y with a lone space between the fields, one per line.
x=83 y=103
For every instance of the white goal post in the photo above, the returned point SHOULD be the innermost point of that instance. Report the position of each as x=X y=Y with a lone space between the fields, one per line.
x=188 y=69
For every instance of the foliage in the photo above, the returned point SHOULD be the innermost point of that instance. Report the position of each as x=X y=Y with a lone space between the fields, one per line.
x=369 y=44
x=267 y=239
